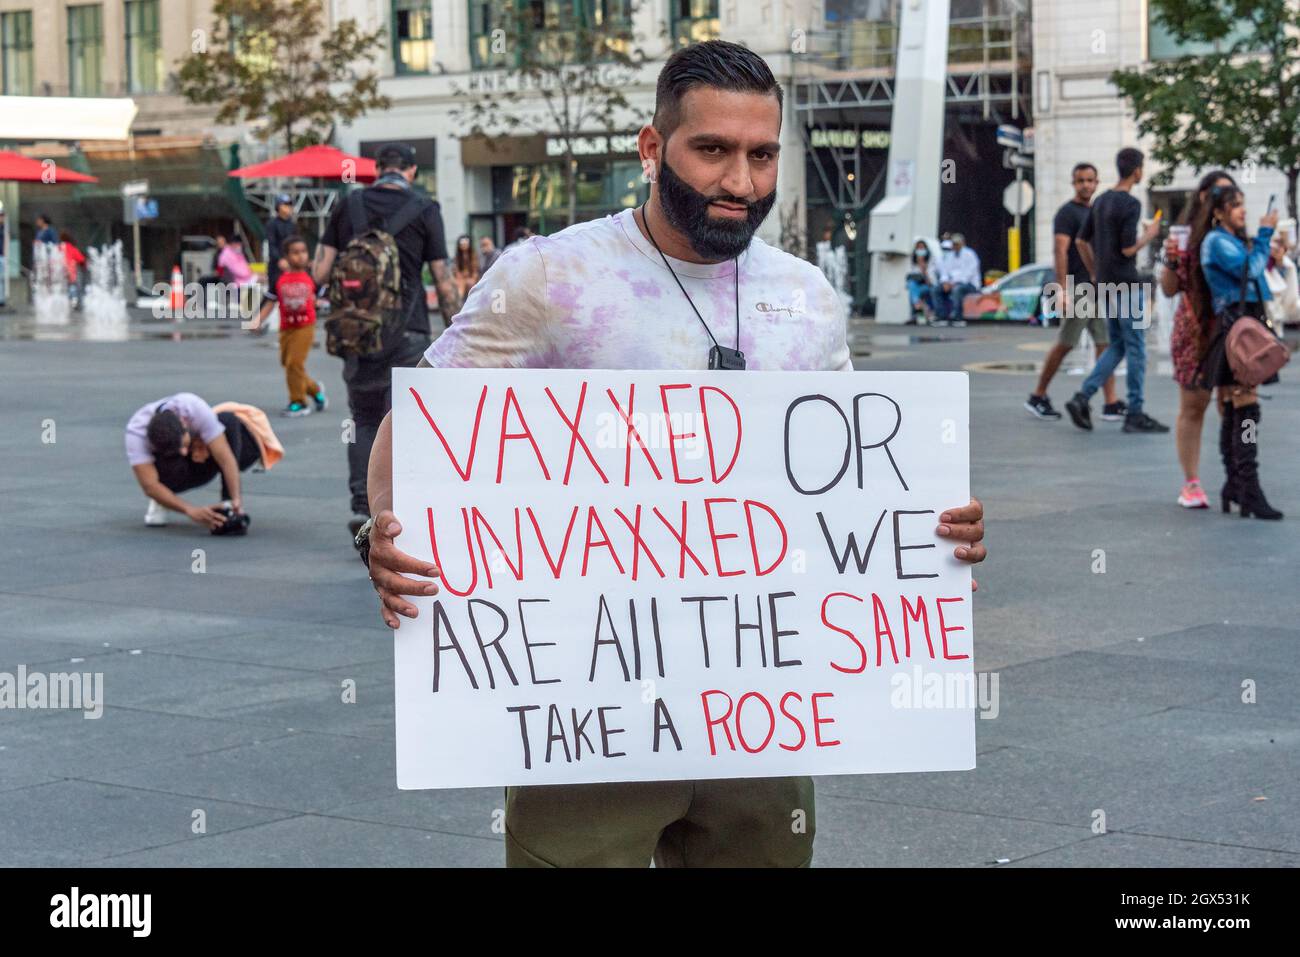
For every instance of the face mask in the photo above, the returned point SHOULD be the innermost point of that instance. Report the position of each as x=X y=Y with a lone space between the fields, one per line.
x=687 y=211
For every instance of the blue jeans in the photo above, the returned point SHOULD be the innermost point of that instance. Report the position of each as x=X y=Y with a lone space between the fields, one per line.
x=918 y=291
x=1128 y=339
x=948 y=304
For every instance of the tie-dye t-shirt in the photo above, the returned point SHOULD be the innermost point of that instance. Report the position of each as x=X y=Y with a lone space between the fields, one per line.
x=598 y=296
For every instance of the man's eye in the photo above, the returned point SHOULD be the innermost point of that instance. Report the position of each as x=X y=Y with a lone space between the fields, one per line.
x=711 y=150
x=761 y=155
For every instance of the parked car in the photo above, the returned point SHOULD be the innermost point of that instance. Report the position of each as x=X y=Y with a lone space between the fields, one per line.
x=1016 y=297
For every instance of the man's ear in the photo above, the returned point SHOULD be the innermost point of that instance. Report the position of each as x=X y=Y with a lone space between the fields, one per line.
x=650 y=146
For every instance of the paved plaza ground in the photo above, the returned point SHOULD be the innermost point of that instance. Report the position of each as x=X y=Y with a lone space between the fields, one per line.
x=1119 y=692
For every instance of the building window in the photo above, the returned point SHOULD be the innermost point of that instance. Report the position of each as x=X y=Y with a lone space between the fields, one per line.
x=1162 y=45
x=550 y=18
x=144 y=56
x=694 y=21
x=85 y=50
x=412 y=36
x=538 y=192
x=16 y=53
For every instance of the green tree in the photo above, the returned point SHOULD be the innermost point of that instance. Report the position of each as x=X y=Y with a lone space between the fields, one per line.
x=271 y=61
x=1237 y=103
x=561 y=72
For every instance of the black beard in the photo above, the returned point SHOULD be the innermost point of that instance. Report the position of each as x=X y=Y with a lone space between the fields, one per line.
x=687 y=211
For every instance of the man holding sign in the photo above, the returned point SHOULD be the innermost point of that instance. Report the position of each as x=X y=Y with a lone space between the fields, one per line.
x=635 y=602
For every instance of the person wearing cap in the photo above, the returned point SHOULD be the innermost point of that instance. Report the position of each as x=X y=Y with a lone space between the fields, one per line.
x=959 y=275
x=420 y=240
x=278 y=228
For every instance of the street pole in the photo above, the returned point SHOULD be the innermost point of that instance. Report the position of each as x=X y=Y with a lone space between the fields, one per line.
x=135 y=235
x=914 y=166
x=1013 y=240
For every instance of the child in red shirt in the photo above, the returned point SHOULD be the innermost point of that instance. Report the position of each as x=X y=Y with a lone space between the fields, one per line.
x=296 y=294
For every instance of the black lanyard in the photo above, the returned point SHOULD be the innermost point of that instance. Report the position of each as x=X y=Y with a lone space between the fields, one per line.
x=720 y=357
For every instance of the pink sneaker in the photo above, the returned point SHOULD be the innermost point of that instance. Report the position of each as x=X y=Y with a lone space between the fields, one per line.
x=1193 y=496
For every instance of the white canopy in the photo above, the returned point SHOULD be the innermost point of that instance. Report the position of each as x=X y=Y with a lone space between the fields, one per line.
x=66 y=118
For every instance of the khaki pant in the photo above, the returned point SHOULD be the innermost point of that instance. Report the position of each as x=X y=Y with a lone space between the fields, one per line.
x=295 y=344
x=738 y=822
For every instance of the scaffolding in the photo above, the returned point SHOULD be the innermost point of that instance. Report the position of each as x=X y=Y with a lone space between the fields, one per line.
x=848 y=69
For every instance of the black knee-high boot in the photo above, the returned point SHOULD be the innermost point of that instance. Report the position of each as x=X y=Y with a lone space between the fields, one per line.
x=1227 y=426
x=1245 y=453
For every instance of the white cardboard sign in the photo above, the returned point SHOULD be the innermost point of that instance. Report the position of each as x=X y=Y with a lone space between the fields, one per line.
x=657 y=575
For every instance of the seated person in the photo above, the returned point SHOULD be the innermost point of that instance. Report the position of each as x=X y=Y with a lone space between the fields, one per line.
x=181 y=443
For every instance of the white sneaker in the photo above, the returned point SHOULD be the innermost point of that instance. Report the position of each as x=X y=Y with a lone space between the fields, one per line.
x=155 y=515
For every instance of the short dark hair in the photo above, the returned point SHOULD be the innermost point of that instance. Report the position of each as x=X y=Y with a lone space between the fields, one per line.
x=46 y=217
x=1127 y=160
x=1081 y=166
x=715 y=63
x=396 y=156
x=292 y=241
x=521 y=233
x=164 y=432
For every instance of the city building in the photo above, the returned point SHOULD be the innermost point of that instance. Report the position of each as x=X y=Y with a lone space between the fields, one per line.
x=111 y=48
x=1078 y=116
x=76 y=55
x=834 y=58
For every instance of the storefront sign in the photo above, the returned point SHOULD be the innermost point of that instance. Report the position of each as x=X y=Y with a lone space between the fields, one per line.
x=593 y=145
x=850 y=139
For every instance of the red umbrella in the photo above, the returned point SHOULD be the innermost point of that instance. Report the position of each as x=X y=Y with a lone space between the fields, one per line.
x=14 y=167
x=316 y=162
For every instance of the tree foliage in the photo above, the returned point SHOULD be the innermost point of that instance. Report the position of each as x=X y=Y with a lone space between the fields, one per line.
x=561 y=74
x=271 y=62
x=1233 y=106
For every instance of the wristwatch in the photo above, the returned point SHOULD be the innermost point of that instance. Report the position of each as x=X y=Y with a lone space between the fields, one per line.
x=362 y=541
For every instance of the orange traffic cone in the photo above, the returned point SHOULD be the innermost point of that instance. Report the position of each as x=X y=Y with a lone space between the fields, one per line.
x=178 y=294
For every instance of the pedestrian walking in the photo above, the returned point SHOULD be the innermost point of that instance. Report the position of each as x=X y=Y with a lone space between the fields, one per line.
x=73 y=260
x=1188 y=342
x=1109 y=241
x=487 y=253
x=415 y=225
x=1075 y=314
x=1235 y=291
x=465 y=267
x=278 y=229
x=295 y=294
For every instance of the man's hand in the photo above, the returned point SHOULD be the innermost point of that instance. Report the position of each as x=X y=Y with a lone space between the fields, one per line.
x=205 y=515
x=387 y=563
x=965 y=525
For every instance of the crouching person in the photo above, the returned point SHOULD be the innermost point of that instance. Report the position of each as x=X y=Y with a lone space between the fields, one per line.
x=181 y=443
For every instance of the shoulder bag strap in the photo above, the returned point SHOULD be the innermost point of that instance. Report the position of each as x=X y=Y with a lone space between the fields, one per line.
x=405 y=215
x=357 y=213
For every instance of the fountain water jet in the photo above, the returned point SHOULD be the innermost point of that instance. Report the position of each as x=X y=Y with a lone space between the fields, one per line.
x=49 y=285
x=104 y=303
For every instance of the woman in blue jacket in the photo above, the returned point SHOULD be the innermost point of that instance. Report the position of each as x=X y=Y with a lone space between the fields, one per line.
x=1225 y=253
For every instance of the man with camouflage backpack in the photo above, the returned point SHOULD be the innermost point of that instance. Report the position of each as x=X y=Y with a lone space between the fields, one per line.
x=372 y=254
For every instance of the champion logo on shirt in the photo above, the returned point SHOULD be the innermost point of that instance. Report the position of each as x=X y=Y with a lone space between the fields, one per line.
x=792 y=310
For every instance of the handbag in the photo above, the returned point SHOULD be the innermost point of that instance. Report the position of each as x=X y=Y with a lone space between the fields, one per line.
x=1254 y=353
